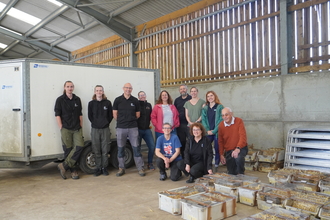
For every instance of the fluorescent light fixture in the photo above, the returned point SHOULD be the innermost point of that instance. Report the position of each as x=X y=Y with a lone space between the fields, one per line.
x=21 y=15
x=3 y=46
x=56 y=2
x=10 y=30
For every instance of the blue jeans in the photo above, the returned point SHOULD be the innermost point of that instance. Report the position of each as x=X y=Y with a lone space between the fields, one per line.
x=146 y=135
x=216 y=148
x=158 y=134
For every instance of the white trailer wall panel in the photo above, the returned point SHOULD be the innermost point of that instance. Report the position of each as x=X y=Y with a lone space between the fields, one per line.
x=43 y=82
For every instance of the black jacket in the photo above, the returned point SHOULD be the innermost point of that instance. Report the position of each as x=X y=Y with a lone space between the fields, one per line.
x=100 y=113
x=179 y=103
x=69 y=110
x=145 y=112
x=207 y=152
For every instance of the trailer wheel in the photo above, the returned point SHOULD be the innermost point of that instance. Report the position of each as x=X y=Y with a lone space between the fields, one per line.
x=129 y=158
x=87 y=159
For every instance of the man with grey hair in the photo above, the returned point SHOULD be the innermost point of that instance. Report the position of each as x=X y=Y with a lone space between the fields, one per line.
x=179 y=102
x=126 y=110
x=232 y=142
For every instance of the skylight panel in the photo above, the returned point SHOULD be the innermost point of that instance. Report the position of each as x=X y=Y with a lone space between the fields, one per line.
x=21 y=15
x=3 y=46
x=56 y=2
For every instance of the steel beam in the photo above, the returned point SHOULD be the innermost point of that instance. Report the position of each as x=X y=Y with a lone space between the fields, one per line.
x=57 y=52
x=9 y=5
x=75 y=33
x=120 y=29
x=46 y=20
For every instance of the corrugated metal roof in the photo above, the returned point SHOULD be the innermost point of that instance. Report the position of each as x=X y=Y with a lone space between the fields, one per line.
x=75 y=28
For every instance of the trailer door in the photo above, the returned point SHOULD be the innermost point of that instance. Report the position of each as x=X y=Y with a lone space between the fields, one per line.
x=11 y=111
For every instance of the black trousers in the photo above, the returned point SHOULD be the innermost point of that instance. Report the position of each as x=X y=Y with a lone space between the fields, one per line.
x=236 y=165
x=196 y=170
x=183 y=133
x=175 y=172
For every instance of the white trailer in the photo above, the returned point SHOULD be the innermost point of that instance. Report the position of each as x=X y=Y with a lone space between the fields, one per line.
x=29 y=88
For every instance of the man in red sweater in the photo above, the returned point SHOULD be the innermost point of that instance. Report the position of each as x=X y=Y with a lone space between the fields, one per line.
x=232 y=142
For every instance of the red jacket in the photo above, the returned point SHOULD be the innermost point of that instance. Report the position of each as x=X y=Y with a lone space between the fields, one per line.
x=157 y=117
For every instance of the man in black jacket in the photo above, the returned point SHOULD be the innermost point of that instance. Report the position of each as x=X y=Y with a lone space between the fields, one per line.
x=100 y=115
x=144 y=127
x=182 y=130
x=69 y=119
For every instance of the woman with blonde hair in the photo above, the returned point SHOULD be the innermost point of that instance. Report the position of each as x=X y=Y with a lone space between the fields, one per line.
x=211 y=118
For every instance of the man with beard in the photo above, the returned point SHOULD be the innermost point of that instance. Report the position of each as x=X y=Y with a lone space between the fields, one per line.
x=182 y=130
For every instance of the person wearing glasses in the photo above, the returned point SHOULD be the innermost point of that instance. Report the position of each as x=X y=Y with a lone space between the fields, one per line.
x=211 y=118
x=144 y=127
x=232 y=142
x=126 y=110
x=168 y=153
x=164 y=111
x=198 y=154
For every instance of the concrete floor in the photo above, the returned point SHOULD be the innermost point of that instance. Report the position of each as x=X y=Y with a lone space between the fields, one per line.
x=43 y=194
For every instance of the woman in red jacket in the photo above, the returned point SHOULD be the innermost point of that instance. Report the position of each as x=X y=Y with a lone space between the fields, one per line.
x=164 y=112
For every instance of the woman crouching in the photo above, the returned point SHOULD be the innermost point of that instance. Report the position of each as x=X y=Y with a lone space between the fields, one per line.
x=198 y=154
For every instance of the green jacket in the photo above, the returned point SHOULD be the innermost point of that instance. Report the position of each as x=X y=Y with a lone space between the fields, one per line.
x=218 y=118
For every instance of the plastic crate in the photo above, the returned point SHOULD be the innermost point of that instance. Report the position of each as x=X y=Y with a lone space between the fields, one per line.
x=325 y=212
x=251 y=166
x=271 y=196
x=252 y=155
x=311 y=196
x=267 y=167
x=279 y=214
x=248 y=194
x=170 y=200
x=208 y=206
x=324 y=186
x=271 y=155
x=207 y=182
x=304 y=206
x=306 y=181
x=282 y=175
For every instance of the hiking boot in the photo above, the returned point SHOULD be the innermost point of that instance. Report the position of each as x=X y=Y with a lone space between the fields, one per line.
x=120 y=172
x=74 y=175
x=141 y=172
x=62 y=170
x=191 y=180
x=105 y=171
x=151 y=166
x=98 y=172
x=163 y=177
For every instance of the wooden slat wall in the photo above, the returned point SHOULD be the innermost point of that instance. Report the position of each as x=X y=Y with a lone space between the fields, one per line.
x=238 y=43
x=312 y=45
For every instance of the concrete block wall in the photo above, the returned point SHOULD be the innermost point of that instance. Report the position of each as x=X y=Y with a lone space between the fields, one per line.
x=271 y=106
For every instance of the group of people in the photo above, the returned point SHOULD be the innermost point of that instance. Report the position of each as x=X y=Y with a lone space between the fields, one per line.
x=184 y=132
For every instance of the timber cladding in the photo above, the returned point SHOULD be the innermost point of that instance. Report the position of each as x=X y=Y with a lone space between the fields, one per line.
x=224 y=40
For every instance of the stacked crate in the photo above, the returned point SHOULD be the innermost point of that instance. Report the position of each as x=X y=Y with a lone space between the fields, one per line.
x=170 y=200
x=271 y=159
x=251 y=159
